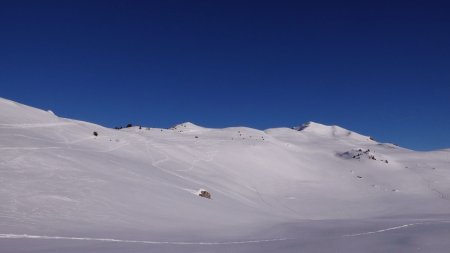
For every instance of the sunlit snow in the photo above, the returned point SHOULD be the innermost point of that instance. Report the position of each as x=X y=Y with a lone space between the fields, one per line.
x=313 y=188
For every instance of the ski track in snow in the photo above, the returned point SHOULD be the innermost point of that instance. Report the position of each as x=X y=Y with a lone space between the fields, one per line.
x=186 y=178
x=45 y=237
x=395 y=228
x=429 y=183
x=384 y=230
x=209 y=154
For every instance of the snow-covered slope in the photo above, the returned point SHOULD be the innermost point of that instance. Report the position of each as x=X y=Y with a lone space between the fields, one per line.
x=57 y=179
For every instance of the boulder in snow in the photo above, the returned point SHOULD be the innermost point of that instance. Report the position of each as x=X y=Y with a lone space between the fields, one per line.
x=204 y=194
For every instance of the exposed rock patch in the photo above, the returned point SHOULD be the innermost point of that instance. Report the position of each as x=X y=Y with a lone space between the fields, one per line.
x=204 y=194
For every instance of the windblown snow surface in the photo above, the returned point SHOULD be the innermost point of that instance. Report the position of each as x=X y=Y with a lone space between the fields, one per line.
x=313 y=188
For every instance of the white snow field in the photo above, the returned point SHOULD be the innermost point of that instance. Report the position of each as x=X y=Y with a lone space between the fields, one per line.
x=314 y=188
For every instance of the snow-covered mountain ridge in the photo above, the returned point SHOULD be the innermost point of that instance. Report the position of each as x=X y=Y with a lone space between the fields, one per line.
x=58 y=178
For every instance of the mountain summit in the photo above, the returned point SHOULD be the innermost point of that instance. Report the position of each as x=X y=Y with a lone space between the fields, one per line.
x=329 y=131
x=187 y=127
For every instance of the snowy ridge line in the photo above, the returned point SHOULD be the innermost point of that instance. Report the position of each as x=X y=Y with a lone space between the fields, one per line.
x=395 y=228
x=35 y=125
x=44 y=237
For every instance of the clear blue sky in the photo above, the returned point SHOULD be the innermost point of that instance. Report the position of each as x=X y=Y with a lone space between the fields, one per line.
x=381 y=68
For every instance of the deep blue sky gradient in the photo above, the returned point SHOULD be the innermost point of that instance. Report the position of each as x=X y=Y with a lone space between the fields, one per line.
x=381 y=68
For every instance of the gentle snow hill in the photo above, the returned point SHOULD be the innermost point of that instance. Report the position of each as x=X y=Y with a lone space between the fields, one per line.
x=57 y=178
x=187 y=127
x=318 y=130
